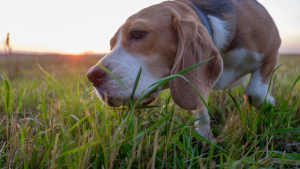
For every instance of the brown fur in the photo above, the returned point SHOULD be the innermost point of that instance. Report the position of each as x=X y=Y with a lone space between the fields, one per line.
x=195 y=45
x=257 y=32
x=176 y=35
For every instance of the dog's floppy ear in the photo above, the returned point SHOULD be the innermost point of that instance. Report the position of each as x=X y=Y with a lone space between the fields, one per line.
x=194 y=45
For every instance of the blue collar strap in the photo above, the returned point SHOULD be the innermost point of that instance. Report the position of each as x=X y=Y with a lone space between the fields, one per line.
x=204 y=21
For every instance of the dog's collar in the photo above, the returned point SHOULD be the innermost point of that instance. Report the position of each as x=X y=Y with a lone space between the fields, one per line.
x=204 y=20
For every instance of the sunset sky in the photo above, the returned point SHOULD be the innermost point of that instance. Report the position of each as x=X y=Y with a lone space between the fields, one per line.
x=76 y=26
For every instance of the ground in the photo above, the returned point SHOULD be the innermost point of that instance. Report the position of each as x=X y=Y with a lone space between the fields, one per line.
x=54 y=120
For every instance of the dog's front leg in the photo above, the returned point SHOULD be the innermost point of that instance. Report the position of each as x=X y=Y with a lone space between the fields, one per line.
x=259 y=83
x=203 y=125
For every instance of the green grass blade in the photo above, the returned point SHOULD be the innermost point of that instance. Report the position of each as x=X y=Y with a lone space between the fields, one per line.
x=20 y=107
x=112 y=75
x=147 y=107
x=284 y=131
x=289 y=97
x=47 y=74
x=77 y=90
x=135 y=86
x=22 y=134
x=193 y=67
x=83 y=147
x=7 y=100
x=187 y=123
x=201 y=138
x=242 y=116
x=285 y=155
x=153 y=126
x=272 y=77
x=165 y=80
x=75 y=125
x=43 y=107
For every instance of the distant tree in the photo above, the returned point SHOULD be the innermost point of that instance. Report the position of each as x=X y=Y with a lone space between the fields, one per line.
x=90 y=52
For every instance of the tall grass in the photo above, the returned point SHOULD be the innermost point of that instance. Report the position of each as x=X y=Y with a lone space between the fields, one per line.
x=57 y=121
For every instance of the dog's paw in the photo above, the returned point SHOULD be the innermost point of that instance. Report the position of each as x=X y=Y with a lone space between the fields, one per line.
x=258 y=101
x=206 y=133
x=270 y=100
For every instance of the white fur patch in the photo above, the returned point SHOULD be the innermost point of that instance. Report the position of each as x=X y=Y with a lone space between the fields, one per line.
x=221 y=34
x=126 y=67
x=236 y=65
x=258 y=90
x=202 y=126
x=238 y=82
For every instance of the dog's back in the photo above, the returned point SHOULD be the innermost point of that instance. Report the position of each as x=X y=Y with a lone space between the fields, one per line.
x=249 y=23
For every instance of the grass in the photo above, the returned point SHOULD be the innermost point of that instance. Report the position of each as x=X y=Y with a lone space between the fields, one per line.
x=50 y=118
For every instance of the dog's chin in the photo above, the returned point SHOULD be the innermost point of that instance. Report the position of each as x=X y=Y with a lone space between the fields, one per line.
x=118 y=102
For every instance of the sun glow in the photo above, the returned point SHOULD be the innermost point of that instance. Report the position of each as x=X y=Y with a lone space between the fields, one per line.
x=73 y=26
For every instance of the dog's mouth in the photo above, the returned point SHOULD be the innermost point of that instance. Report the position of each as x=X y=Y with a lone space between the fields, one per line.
x=120 y=101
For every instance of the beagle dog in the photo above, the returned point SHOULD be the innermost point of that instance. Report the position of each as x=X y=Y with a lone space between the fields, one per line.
x=239 y=35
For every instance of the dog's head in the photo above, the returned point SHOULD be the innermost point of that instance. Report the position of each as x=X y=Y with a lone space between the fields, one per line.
x=162 y=40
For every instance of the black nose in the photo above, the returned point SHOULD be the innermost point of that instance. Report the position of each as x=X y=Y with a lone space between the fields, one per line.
x=95 y=74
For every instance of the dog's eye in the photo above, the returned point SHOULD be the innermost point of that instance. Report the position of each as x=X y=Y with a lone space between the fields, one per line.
x=137 y=34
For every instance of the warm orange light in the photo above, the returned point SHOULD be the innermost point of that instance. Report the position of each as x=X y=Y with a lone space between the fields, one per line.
x=73 y=26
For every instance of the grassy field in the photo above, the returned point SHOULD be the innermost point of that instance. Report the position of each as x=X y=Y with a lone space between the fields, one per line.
x=50 y=118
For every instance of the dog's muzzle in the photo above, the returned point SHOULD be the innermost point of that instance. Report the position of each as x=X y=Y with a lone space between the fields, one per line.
x=103 y=87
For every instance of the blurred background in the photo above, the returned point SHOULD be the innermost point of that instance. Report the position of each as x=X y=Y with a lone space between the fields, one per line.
x=70 y=36
x=77 y=26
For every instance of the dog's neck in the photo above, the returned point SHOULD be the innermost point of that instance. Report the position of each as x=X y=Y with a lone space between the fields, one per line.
x=225 y=12
x=205 y=21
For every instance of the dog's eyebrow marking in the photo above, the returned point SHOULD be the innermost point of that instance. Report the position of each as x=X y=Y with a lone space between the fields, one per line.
x=118 y=40
x=115 y=39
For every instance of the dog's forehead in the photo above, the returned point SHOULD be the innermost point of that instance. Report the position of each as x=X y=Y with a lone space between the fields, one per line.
x=150 y=12
x=154 y=16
